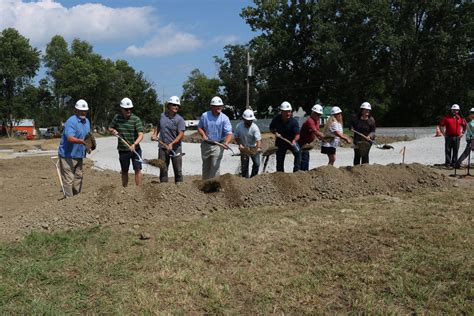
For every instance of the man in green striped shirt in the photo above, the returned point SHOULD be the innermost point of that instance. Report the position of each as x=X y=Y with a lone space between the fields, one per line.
x=130 y=128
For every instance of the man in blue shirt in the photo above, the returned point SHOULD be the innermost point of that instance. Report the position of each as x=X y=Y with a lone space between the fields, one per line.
x=214 y=127
x=287 y=130
x=72 y=149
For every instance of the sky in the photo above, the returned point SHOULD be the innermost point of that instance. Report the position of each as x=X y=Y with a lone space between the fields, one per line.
x=165 y=39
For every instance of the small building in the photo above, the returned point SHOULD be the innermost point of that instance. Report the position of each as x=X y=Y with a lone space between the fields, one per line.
x=25 y=127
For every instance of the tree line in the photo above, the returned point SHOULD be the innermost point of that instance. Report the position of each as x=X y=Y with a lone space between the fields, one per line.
x=411 y=59
x=72 y=72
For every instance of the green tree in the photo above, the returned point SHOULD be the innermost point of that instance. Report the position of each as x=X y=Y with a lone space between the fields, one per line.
x=198 y=91
x=19 y=63
x=79 y=73
x=411 y=59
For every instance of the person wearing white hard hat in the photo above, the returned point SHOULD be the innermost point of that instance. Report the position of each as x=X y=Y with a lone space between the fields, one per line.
x=469 y=140
x=170 y=129
x=287 y=131
x=249 y=138
x=452 y=127
x=363 y=123
x=334 y=126
x=130 y=128
x=72 y=149
x=310 y=130
x=214 y=127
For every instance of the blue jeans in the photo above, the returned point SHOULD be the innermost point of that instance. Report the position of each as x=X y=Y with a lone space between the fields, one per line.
x=245 y=162
x=304 y=160
x=281 y=153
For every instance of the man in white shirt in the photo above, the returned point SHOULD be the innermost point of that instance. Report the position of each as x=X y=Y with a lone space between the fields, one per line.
x=247 y=135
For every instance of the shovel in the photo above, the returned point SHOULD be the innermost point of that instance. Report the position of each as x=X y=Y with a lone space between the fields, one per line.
x=56 y=164
x=171 y=152
x=223 y=146
x=295 y=146
x=139 y=158
x=377 y=145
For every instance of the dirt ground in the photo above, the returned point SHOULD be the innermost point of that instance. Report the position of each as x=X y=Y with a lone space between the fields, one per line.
x=31 y=197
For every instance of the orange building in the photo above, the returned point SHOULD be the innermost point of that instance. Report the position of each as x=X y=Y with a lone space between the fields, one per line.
x=23 y=127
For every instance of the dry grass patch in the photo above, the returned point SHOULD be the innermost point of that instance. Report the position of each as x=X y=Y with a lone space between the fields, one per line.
x=383 y=254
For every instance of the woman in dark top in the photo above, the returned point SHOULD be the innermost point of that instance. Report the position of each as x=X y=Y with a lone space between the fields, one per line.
x=363 y=123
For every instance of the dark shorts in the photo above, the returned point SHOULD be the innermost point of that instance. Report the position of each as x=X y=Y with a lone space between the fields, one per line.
x=126 y=156
x=328 y=150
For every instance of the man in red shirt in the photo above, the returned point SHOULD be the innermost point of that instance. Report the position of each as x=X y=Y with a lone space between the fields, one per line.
x=452 y=126
x=309 y=132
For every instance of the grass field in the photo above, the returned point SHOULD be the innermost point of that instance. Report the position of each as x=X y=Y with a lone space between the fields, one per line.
x=379 y=255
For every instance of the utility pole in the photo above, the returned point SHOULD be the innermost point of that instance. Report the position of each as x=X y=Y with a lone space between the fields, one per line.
x=249 y=74
x=163 y=98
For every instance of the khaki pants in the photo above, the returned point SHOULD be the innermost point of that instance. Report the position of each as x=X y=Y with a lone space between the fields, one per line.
x=71 y=174
x=211 y=160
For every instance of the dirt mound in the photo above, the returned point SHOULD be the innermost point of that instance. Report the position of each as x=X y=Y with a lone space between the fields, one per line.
x=112 y=204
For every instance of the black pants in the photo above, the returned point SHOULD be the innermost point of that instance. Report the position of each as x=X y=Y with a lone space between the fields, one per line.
x=177 y=165
x=451 y=147
x=281 y=153
x=358 y=158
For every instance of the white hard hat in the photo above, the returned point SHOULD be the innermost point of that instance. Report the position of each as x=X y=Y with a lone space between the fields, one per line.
x=82 y=105
x=126 y=103
x=455 y=107
x=471 y=110
x=248 y=115
x=317 y=108
x=366 y=105
x=285 y=106
x=174 y=100
x=335 y=110
x=216 y=101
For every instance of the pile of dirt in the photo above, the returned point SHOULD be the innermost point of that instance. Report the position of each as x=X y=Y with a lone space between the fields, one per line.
x=105 y=202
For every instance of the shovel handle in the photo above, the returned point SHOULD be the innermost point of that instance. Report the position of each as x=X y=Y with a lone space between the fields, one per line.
x=284 y=139
x=362 y=135
x=130 y=148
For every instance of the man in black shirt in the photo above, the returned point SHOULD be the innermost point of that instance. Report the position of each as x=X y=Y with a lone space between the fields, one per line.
x=287 y=131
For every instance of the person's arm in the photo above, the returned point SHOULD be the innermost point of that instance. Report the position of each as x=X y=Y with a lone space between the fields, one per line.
x=156 y=131
x=75 y=140
x=228 y=139
x=442 y=127
x=139 y=128
x=202 y=132
x=372 y=128
x=318 y=134
x=70 y=131
x=113 y=127
x=237 y=138
x=343 y=136
x=296 y=130
x=228 y=132
x=339 y=133
x=201 y=129
x=297 y=138
x=259 y=145
x=258 y=137
x=178 y=138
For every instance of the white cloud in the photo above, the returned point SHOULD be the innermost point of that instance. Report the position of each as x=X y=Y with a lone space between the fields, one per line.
x=166 y=41
x=225 y=39
x=41 y=20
